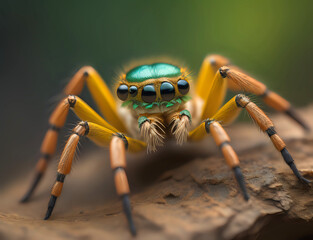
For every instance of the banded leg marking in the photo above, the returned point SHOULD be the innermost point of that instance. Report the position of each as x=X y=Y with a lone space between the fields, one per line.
x=57 y=120
x=65 y=164
x=102 y=96
x=267 y=126
x=222 y=140
x=238 y=81
x=101 y=136
x=118 y=165
x=49 y=143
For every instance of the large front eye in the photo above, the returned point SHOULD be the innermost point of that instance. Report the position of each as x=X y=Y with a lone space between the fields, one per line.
x=167 y=91
x=133 y=91
x=122 y=92
x=183 y=86
x=148 y=93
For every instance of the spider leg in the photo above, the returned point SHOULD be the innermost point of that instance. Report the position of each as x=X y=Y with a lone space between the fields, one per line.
x=57 y=120
x=231 y=109
x=206 y=74
x=118 y=165
x=103 y=137
x=103 y=98
x=228 y=112
x=267 y=126
x=272 y=99
x=99 y=92
x=238 y=81
x=215 y=96
x=222 y=140
x=65 y=164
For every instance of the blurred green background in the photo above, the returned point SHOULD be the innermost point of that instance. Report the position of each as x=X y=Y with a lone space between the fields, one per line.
x=43 y=43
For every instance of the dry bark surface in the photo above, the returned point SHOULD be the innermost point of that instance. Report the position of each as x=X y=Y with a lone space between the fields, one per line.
x=177 y=193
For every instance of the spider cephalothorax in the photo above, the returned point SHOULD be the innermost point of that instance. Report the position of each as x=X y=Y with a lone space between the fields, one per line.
x=157 y=105
x=156 y=95
x=154 y=88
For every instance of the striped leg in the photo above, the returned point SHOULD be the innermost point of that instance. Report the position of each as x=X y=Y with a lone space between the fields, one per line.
x=103 y=98
x=231 y=109
x=57 y=120
x=267 y=126
x=238 y=81
x=222 y=140
x=65 y=164
x=103 y=137
x=118 y=165
x=48 y=146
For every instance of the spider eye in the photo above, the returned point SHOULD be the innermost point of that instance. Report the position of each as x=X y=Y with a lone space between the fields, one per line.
x=122 y=92
x=133 y=91
x=183 y=86
x=148 y=93
x=167 y=91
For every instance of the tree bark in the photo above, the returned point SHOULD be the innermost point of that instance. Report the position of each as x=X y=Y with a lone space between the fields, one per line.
x=177 y=193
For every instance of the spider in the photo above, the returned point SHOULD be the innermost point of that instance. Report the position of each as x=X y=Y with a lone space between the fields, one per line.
x=156 y=102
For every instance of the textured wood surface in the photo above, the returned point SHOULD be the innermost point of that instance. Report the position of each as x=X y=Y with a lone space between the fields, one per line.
x=178 y=193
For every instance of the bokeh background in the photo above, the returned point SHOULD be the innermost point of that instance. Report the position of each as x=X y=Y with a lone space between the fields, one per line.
x=42 y=43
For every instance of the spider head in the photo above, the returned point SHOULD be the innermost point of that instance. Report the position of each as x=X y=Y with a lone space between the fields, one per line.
x=154 y=86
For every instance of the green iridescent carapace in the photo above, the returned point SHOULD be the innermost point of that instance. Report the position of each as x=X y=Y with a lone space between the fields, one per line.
x=156 y=70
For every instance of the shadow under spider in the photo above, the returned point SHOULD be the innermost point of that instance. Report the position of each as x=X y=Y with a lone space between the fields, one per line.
x=146 y=168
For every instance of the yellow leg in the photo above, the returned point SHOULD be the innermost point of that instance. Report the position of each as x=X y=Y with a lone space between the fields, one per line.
x=215 y=96
x=118 y=165
x=222 y=140
x=228 y=113
x=65 y=164
x=100 y=93
x=57 y=120
x=240 y=101
x=103 y=137
x=86 y=113
x=198 y=133
x=208 y=69
x=102 y=97
x=237 y=80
